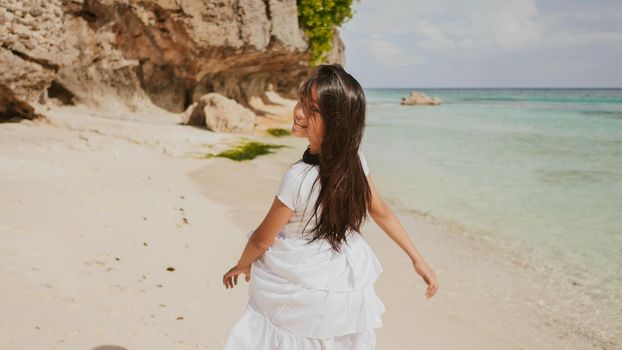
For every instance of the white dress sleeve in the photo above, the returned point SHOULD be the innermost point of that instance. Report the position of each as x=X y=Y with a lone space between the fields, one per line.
x=287 y=189
x=364 y=163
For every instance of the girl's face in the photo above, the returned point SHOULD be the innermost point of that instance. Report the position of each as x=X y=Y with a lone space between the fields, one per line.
x=309 y=125
x=299 y=129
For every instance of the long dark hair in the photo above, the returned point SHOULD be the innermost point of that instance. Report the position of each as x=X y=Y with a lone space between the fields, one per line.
x=345 y=195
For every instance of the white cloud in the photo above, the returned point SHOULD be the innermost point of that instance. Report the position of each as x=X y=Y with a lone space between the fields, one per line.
x=509 y=25
x=434 y=38
x=403 y=33
x=457 y=39
x=388 y=53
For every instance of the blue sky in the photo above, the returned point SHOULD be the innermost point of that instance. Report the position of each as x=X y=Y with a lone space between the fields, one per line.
x=485 y=43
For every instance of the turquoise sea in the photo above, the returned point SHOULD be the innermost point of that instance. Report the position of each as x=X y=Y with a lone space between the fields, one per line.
x=535 y=173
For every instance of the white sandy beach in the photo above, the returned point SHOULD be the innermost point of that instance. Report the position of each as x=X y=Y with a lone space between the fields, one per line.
x=94 y=211
x=492 y=129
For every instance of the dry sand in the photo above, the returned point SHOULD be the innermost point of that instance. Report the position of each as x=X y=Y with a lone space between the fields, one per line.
x=95 y=211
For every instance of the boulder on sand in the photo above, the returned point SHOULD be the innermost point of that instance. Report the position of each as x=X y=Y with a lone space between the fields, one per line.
x=13 y=109
x=419 y=98
x=221 y=114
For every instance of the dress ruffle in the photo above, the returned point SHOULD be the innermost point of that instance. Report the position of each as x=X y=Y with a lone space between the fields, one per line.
x=318 y=266
x=255 y=331
x=308 y=296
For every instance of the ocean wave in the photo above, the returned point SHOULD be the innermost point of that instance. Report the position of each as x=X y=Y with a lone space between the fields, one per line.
x=615 y=115
x=576 y=176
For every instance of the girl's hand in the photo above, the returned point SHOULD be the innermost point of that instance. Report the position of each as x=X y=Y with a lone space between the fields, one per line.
x=428 y=276
x=230 y=279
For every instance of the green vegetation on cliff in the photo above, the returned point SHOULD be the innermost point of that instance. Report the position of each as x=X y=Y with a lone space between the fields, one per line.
x=318 y=18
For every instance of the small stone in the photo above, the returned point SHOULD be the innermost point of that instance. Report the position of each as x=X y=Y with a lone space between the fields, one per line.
x=36 y=12
x=10 y=40
x=9 y=16
x=29 y=44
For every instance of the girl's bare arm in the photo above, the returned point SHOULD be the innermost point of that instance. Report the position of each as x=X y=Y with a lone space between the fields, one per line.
x=259 y=242
x=391 y=225
x=385 y=218
x=278 y=215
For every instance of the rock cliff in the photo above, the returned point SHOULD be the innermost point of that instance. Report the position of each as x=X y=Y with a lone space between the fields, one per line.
x=122 y=53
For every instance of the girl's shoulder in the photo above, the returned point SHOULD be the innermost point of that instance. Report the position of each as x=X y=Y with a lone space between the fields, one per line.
x=363 y=162
x=300 y=169
x=295 y=180
x=299 y=181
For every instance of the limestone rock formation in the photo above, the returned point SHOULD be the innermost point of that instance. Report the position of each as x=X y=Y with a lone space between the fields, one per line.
x=218 y=113
x=419 y=98
x=13 y=109
x=125 y=54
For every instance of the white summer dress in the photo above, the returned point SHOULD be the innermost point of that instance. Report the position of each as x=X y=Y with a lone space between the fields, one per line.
x=308 y=296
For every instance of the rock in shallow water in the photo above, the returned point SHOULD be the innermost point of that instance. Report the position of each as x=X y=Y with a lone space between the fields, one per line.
x=419 y=98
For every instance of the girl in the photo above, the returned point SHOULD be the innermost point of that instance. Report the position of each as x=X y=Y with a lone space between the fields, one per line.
x=312 y=282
